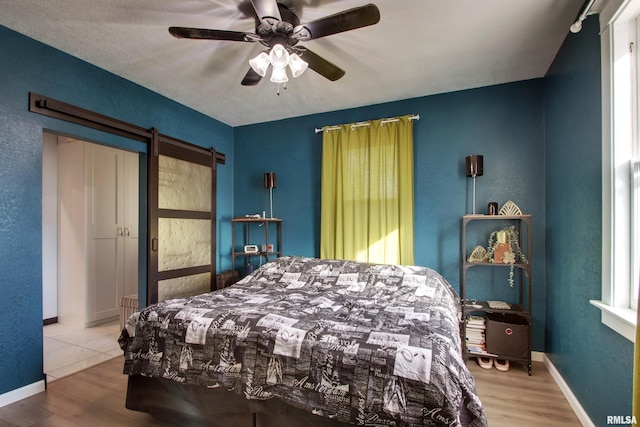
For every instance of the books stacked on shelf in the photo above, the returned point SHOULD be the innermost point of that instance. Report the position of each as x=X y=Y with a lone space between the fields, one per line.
x=475 y=334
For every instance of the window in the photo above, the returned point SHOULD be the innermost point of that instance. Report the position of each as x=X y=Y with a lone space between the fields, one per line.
x=620 y=167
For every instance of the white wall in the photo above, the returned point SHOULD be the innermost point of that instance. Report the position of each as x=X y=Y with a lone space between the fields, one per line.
x=49 y=226
x=72 y=266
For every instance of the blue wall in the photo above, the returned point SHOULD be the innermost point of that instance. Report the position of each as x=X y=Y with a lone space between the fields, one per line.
x=596 y=362
x=503 y=123
x=31 y=66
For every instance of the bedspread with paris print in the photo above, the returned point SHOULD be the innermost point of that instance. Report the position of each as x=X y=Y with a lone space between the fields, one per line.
x=365 y=344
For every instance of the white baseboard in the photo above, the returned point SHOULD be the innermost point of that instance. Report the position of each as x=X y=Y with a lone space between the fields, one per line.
x=568 y=394
x=21 y=393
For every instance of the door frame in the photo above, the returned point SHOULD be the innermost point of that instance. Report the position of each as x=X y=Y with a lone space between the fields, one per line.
x=60 y=110
x=76 y=301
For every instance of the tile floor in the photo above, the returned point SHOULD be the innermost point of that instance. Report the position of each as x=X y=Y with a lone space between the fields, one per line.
x=69 y=349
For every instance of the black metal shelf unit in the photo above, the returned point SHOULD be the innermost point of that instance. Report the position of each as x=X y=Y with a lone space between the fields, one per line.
x=521 y=308
x=262 y=245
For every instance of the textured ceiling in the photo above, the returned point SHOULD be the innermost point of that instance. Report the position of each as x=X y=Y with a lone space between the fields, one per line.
x=419 y=47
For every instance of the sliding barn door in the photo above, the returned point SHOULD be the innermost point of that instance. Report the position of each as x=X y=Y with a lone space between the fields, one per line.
x=182 y=226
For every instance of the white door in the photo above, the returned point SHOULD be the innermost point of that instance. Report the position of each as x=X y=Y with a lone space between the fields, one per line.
x=111 y=181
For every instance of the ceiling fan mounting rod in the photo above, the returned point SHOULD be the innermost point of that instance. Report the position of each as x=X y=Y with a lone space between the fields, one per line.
x=277 y=39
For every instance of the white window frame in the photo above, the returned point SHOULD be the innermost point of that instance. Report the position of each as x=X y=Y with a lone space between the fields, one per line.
x=618 y=20
x=634 y=168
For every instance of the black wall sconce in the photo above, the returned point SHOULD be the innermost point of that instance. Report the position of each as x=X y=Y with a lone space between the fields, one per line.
x=270 y=183
x=474 y=168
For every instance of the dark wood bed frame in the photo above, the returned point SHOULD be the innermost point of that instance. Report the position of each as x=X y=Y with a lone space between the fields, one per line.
x=192 y=405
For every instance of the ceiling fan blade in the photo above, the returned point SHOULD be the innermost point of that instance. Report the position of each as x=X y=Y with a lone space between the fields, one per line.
x=321 y=65
x=267 y=9
x=204 y=34
x=351 y=19
x=251 y=78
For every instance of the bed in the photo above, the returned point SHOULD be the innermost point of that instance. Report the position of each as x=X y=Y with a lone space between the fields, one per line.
x=303 y=341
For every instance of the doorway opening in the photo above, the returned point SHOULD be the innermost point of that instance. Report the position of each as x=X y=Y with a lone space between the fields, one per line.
x=90 y=249
x=150 y=211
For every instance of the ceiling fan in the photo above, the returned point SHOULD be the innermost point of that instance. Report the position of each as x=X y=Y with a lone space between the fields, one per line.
x=279 y=29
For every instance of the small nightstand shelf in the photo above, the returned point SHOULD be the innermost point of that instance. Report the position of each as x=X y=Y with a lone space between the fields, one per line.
x=517 y=309
x=250 y=224
x=513 y=325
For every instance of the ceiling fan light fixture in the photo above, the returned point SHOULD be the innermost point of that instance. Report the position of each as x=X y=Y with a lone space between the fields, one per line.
x=279 y=75
x=297 y=65
x=576 y=27
x=260 y=64
x=279 y=56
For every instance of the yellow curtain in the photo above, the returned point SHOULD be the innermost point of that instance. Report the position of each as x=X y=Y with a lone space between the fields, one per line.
x=636 y=367
x=367 y=192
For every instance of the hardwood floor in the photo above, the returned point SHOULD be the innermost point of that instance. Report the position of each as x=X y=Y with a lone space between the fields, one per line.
x=95 y=397
x=514 y=398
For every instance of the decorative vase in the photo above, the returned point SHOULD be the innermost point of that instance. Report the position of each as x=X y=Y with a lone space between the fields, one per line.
x=501 y=247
